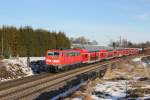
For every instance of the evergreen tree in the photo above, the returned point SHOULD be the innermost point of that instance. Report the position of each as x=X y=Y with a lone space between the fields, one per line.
x=26 y=41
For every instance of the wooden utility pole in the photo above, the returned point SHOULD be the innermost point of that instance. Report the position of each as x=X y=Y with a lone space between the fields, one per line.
x=120 y=42
x=2 y=46
x=28 y=54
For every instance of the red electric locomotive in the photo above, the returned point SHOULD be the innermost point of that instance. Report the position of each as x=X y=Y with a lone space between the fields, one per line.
x=57 y=60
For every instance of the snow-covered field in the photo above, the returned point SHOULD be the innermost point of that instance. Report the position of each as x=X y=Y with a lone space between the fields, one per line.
x=144 y=61
x=137 y=59
x=112 y=90
x=16 y=68
x=115 y=90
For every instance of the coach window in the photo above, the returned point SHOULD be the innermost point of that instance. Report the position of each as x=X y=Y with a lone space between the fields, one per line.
x=56 y=53
x=70 y=54
x=73 y=53
x=78 y=53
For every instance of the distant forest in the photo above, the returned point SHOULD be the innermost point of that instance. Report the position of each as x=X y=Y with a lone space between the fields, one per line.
x=26 y=41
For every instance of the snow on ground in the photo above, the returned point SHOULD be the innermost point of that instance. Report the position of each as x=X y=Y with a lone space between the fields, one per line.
x=145 y=62
x=16 y=68
x=136 y=59
x=77 y=99
x=112 y=90
x=116 y=90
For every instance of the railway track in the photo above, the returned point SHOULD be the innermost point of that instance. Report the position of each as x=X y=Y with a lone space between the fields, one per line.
x=30 y=87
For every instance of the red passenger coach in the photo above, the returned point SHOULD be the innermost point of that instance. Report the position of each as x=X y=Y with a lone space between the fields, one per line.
x=84 y=55
x=103 y=54
x=134 y=50
x=120 y=52
x=89 y=56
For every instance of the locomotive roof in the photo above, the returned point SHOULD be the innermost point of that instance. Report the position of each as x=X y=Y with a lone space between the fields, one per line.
x=66 y=50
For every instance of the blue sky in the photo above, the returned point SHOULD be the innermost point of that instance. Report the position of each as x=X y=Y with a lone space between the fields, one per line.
x=101 y=20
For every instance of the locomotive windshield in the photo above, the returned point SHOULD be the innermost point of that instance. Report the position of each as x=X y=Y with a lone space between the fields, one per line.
x=53 y=53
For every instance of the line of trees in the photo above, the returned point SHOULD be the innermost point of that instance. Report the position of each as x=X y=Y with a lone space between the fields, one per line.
x=26 y=41
x=83 y=41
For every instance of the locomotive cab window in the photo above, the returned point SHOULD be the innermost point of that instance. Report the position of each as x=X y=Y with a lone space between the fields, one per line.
x=77 y=53
x=53 y=53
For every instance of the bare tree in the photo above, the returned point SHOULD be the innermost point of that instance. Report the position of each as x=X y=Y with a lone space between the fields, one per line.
x=82 y=40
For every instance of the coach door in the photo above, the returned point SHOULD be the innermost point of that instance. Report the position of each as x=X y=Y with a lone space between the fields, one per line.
x=84 y=57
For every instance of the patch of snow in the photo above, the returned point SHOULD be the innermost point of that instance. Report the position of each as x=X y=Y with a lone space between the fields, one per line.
x=76 y=98
x=137 y=78
x=146 y=97
x=110 y=90
x=97 y=98
x=148 y=86
x=114 y=90
x=27 y=71
x=144 y=64
x=69 y=92
x=3 y=79
x=136 y=59
x=16 y=68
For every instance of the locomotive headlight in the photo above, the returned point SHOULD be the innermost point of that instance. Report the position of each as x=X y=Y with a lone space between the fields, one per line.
x=56 y=61
x=49 y=60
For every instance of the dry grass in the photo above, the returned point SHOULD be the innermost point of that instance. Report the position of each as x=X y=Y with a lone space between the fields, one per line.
x=127 y=69
x=4 y=74
x=77 y=94
x=138 y=92
x=97 y=80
